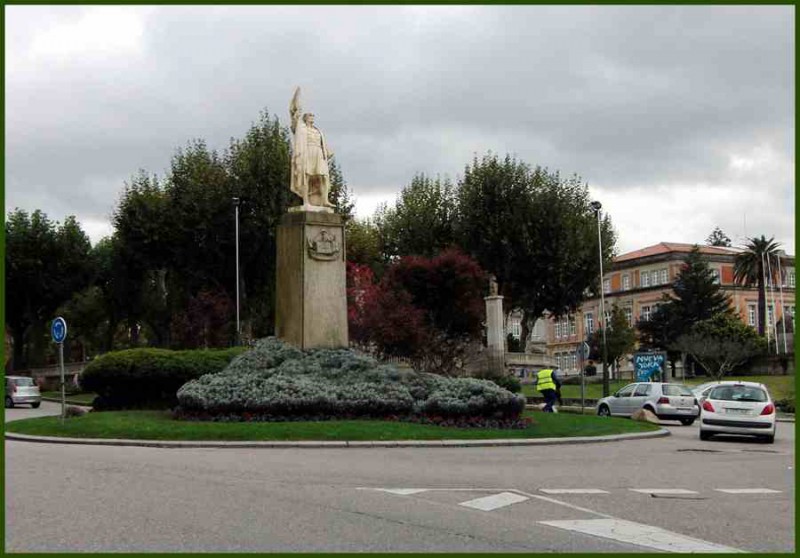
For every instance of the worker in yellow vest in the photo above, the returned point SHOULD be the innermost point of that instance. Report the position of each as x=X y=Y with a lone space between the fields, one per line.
x=548 y=383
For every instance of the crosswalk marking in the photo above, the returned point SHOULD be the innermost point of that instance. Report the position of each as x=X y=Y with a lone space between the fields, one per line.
x=489 y=503
x=748 y=490
x=663 y=490
x=639 y=534
x=574 y=491
x=402 y=491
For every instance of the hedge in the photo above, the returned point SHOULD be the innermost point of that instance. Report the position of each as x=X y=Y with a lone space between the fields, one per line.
x=278 y=381
x=148 y=378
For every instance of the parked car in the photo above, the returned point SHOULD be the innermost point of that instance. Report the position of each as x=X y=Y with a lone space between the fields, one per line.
x=666 y=401
x=738 y=408
x=21 y=389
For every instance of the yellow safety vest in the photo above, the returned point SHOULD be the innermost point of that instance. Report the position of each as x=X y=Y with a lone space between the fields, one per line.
x=545 y=380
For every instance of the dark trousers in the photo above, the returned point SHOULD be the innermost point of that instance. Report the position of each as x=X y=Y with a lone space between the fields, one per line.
x=550 y=398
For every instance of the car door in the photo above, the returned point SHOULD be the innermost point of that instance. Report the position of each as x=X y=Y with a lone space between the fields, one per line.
x=639 y=396
x=620 y=403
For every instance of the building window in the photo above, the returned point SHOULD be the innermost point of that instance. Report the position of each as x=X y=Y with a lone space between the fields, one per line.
x=791 y=278
x=589 y=323
x=574 y=361
x=606 y=285
x=645 y=279
x=516 y=329
x=608 y=319
x=645 y=315
x=664 y=277
x=558 y=329
x=654 y=277
x=715 y=274
x=573 y=330
x=751 y=315
x=628 y=314
x=626 y=282
x=770 y=316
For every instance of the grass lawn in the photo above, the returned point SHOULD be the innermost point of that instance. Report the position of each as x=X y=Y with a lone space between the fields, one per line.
x=779 y=387
x=158 y=425
x=75 y=398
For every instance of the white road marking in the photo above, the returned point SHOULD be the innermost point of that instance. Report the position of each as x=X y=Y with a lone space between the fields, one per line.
x=748 y=490
x=398 y=491
x=489 y=503
x=573 y=491
x=639 y=534
x=663 y=491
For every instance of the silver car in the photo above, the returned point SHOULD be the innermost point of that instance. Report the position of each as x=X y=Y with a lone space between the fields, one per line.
x=666 y=401
x=22 y=390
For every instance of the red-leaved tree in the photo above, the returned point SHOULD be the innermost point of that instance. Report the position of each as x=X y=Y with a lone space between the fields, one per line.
x=428 y=310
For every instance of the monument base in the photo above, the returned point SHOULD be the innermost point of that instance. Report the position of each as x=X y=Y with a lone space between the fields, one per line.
x=311 y=296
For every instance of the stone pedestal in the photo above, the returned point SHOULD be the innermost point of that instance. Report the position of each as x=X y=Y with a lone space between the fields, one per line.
x=495 y=334
x=311 y=297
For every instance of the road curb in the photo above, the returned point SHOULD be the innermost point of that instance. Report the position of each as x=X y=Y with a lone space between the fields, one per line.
x=340 y=445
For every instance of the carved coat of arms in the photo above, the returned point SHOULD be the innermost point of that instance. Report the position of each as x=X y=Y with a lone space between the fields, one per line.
x=324 y=246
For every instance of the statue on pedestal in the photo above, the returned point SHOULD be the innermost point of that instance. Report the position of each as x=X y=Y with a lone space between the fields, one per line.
x=310 y=177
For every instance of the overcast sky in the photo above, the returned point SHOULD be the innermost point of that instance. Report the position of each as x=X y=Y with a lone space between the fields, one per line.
x=680 y=118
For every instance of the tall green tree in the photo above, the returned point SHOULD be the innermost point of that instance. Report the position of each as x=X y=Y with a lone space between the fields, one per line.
x=421 y=223
x=718 y=238
x=364 y=245
x=696 y=296
x=750 y=268
x=696 y=293
x=46 y=262
x=620 y=338
x=535 y=231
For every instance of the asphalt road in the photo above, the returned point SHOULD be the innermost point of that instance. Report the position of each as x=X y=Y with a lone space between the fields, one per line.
x=91 y=498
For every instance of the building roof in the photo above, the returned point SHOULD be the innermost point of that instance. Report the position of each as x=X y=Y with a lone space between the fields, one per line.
x=668 y=247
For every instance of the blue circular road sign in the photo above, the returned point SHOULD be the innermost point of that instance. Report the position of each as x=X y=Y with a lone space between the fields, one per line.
x=59 y=330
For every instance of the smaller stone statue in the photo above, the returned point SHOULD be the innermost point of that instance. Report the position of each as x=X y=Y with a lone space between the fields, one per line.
x=492 y=285
x=310 y=176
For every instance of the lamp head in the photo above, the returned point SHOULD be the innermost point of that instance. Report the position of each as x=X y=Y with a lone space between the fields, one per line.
x=236 y=202
x=596 y=206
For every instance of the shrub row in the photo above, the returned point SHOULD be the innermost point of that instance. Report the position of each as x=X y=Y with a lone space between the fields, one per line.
x=277 y=380
x=148 y=378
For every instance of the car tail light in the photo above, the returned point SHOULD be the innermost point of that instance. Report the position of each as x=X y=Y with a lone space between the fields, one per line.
x=769 y=409
x=663 y=400
x=707 y=406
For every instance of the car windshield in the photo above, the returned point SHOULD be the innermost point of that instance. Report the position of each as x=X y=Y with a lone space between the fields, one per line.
x=22 y=382
x=739 y=393
x=677 y=389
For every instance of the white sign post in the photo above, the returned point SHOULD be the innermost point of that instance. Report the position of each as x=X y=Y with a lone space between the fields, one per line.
x=59 y=332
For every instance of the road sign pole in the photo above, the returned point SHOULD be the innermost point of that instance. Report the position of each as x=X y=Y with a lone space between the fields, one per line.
x=63 y=389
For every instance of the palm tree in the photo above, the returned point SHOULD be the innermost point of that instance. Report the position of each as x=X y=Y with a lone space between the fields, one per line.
x=749 y=269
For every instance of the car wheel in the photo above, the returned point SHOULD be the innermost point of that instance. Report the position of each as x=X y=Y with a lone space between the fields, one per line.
x=603 y=411
x=9 y=403
x=687 y=422
x=35 y=405
x=705 y=435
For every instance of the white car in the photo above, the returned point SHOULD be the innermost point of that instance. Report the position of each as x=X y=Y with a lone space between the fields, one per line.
x=666 y=401
x=738 y=408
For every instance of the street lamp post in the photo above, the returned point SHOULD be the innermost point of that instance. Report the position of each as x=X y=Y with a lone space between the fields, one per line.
x=238 y=327
x=597 y=206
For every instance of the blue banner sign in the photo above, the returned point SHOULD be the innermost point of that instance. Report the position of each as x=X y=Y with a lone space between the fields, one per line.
x=647 y=364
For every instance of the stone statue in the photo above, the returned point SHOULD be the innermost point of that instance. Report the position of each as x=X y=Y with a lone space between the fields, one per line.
x=492 y=285
x=310 y=155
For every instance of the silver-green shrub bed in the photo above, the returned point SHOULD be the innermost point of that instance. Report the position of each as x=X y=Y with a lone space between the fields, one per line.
x=276 y=381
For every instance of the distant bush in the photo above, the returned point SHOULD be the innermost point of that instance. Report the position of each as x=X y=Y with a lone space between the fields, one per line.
x=511 y=383
x=278 y=381
x=148 y=378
